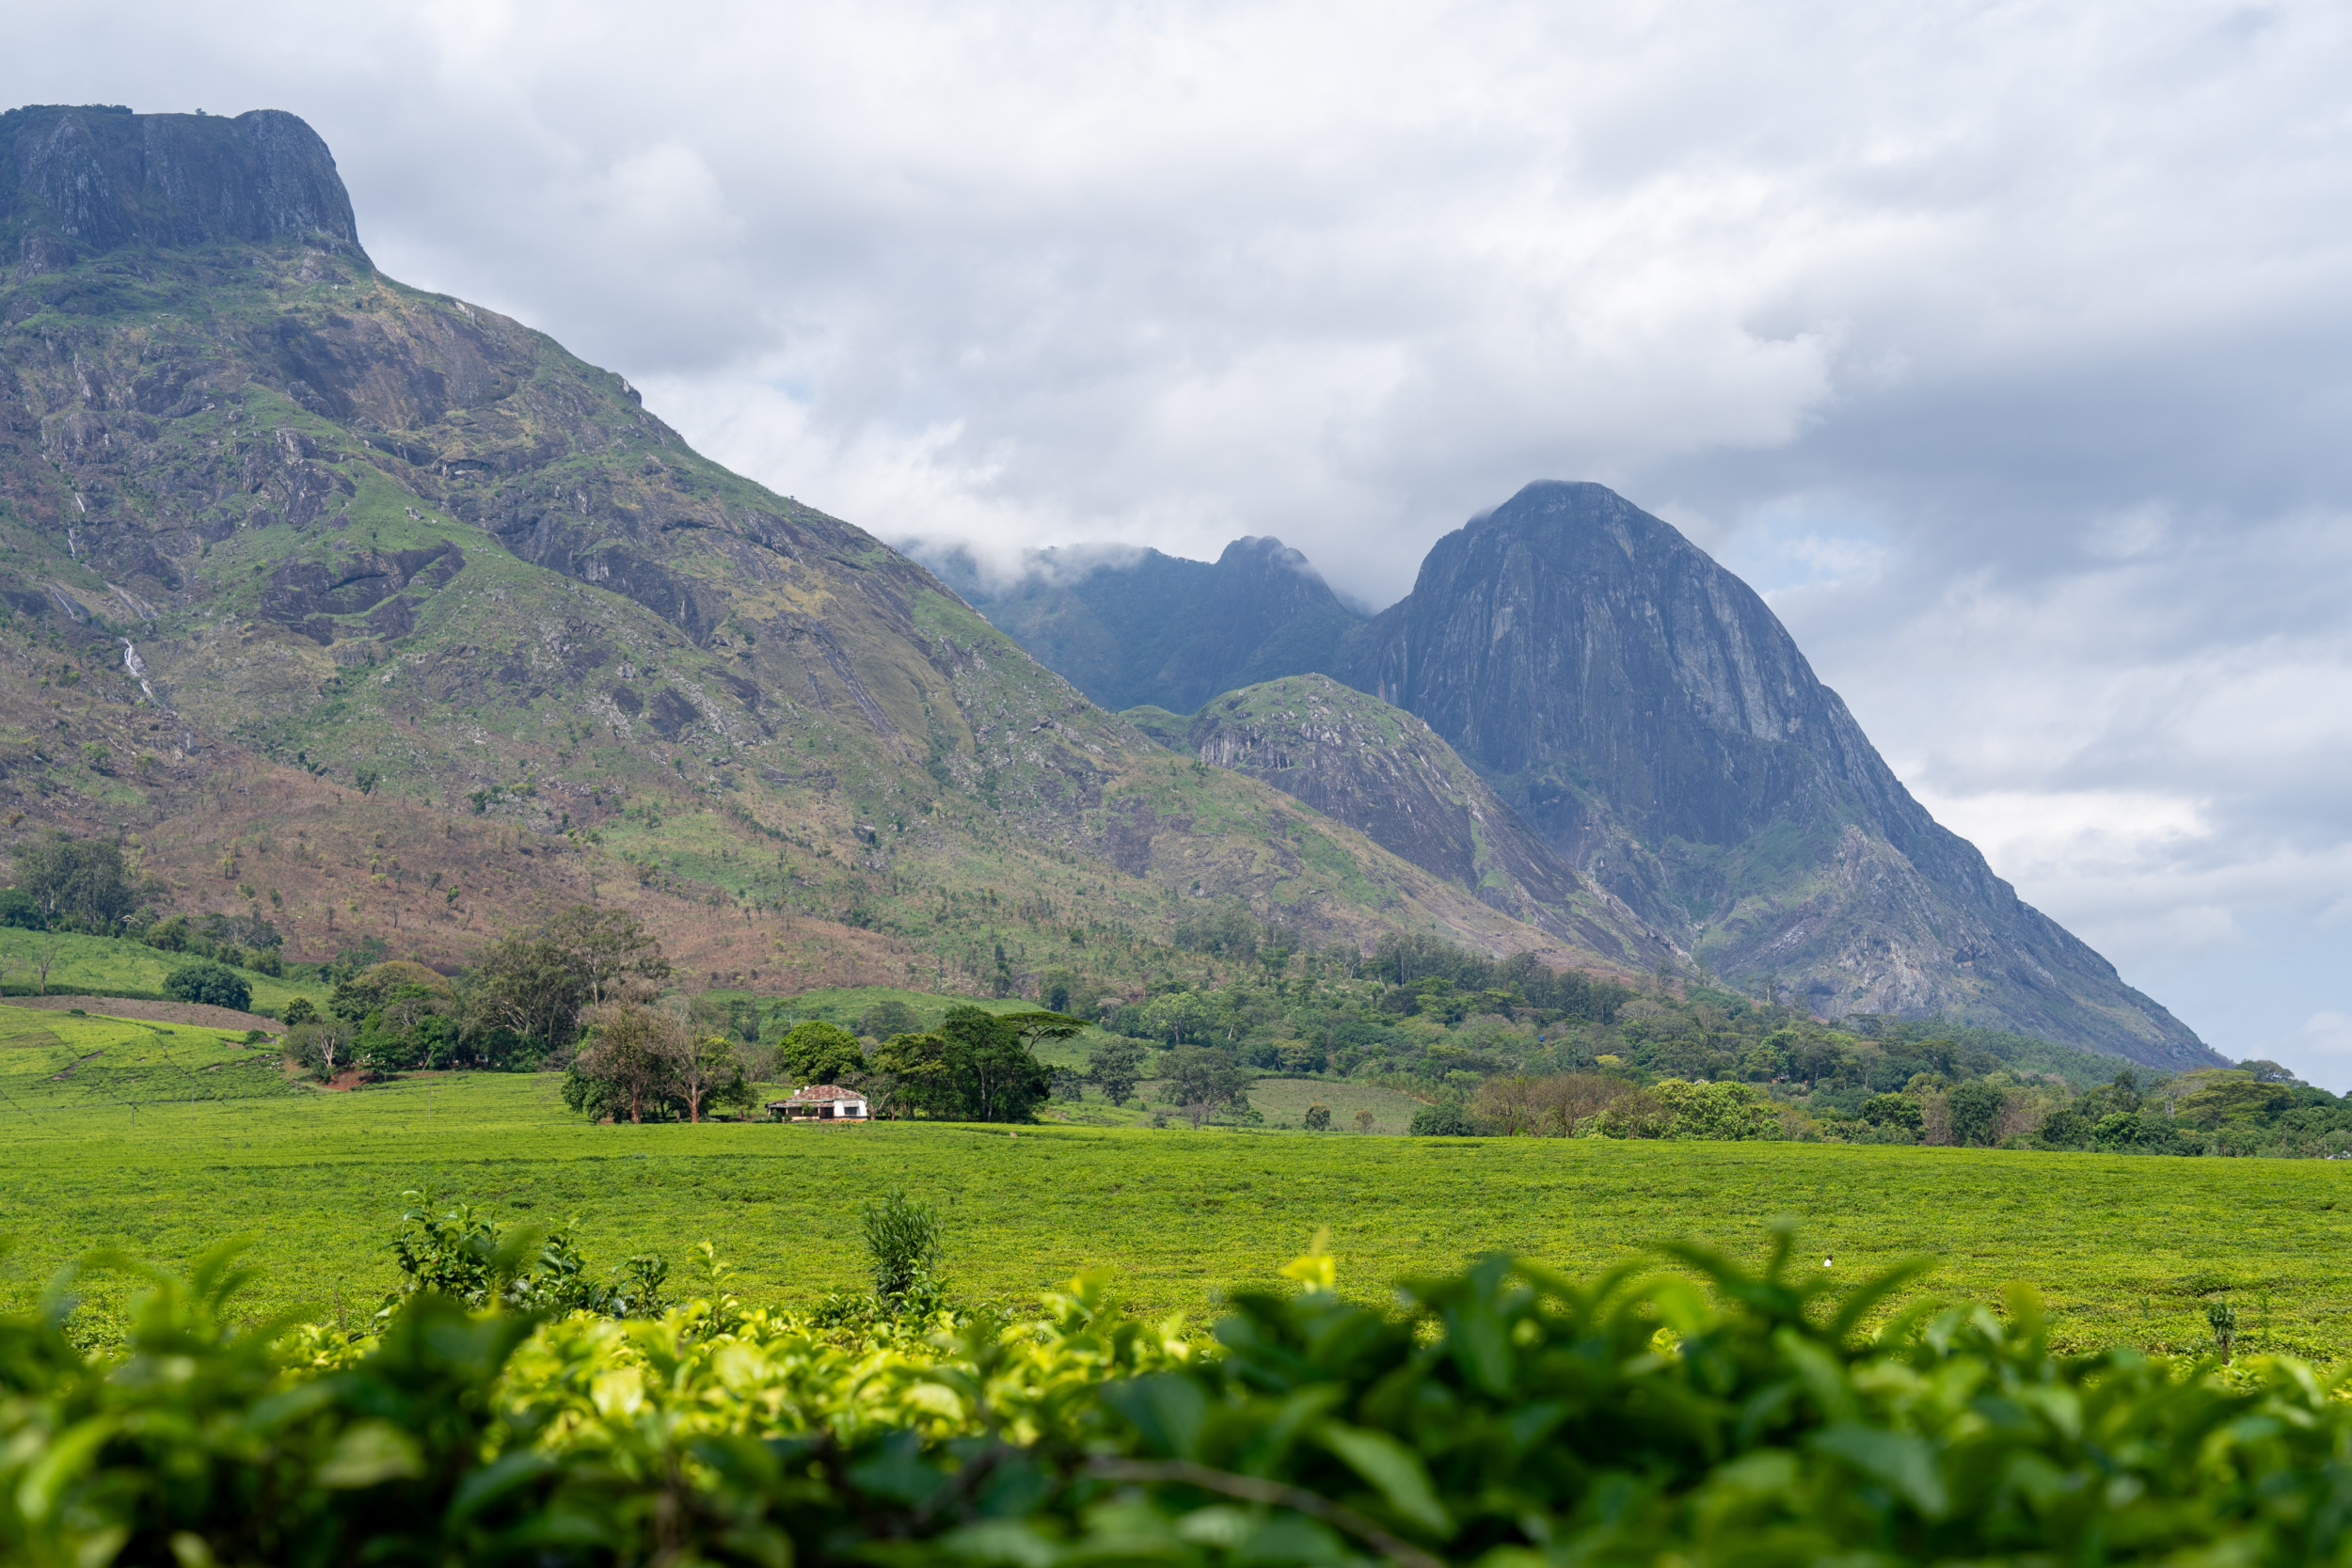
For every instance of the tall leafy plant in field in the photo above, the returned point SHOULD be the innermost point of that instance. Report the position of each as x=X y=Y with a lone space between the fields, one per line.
x=904 y=1242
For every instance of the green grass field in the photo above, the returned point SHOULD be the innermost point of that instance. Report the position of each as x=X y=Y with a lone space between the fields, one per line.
x=165 y=1143
x=115 y=966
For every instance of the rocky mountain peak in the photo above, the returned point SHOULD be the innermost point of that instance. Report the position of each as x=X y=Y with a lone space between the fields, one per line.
x=1649 y=716
x=1265 y=552
x=80 y=180
x=1569 y=622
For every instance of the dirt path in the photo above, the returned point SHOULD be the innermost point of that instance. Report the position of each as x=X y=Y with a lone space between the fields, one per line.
x=198 y=1013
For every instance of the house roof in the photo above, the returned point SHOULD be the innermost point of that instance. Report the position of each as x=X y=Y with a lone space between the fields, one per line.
x=821 y=1091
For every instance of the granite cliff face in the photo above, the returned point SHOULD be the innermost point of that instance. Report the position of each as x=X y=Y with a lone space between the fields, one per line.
x=1652 y=720
x=289 y=530
x=75 y=182
x=1150 y=629
x=1387 y=774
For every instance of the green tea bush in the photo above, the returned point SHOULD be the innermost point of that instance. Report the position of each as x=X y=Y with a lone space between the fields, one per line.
x=1443 y=1121
x=210 y=982
x=1504 y=1415
x=462 y=1254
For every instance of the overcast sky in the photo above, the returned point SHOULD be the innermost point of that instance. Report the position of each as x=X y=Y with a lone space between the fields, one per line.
x=2003 y=345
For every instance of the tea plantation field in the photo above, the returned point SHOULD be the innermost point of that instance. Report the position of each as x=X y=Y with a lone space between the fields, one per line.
x=159 y=1142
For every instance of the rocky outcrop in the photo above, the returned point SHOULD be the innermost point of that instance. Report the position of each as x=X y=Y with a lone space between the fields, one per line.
x=1388 y=775
x=76 y=180
x=303 y=595
x=1144 y=628
x=1650 y=718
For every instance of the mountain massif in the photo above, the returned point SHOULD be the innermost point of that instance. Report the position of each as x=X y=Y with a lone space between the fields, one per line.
x=1649 y=717
x=375 y=614
x=1637 y=714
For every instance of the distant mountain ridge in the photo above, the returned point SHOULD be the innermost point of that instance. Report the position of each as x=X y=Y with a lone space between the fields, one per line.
x=1643 y=717
x=1142 y=629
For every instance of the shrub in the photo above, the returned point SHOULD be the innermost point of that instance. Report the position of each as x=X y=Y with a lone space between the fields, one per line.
x=206 y=981
x=463 y=1255
x=1318 y=1119
x=1717 y=1111
x=1443 y=1121
x=1894 y=1110
x=1567 y=1104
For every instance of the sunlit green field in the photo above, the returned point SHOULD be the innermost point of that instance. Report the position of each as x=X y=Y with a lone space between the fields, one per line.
x=195 y=1139
x=111 y=966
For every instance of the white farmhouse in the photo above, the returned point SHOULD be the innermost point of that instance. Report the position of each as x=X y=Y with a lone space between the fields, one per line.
x=821 y=1102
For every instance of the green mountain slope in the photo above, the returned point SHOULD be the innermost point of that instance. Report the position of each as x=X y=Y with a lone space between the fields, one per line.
x=1379 y=769
x=395 y=619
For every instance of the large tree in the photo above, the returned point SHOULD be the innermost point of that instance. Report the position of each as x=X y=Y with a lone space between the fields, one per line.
x=910 y=1075
x=710 y=1075
x=1204 y=1080
x=76 y=881
x=536 y=982
x=610 y=950
x=640 y=1054
x=816 y=1051
x=529 y=985
x=976 y=1066
x=1115 y=1068
x=997 y=1075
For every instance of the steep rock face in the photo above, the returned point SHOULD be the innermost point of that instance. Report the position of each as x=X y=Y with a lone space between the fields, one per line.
x=392 y=545
x=1650 y=718
x=1158 y=630
x=76 y=181
x=1387 y=774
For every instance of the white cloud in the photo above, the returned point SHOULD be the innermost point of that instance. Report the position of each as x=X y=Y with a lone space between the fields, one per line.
x=2329 y=1032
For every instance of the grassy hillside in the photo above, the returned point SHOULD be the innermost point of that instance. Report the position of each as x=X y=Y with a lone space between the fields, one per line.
x=57 y=1068
x=435 y=627
x=2124 y=1249
x=112 y=966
